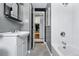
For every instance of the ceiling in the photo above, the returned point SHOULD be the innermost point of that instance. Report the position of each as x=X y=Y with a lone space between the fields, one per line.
x=39 y=5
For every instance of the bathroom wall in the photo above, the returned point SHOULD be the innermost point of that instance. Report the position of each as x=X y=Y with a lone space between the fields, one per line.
x=61 y=21
x=75 y=40
x=48 y=25
x=26 y=16
x=39 y=5
x=65 y=18
x=6 y=24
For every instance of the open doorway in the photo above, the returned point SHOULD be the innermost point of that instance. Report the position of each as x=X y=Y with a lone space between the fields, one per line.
x=39 y=26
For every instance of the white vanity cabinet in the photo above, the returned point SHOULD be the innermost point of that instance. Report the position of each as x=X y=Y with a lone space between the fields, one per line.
x=8 y=46
x=22 y=45
x=13 y=44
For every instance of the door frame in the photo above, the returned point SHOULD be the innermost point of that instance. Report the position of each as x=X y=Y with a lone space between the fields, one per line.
x=31 y=27
x=32 y=20
x=40 y=14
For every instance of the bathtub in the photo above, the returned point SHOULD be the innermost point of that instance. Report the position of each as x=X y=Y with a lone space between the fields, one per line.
x=68 y=51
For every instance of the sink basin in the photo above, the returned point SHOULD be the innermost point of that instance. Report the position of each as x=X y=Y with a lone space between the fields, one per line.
x=14 y=33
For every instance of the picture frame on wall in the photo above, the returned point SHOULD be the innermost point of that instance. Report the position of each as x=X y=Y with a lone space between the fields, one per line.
x=7 y=10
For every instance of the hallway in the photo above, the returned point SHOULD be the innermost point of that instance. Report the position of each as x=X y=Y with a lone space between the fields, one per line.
x=39 y=50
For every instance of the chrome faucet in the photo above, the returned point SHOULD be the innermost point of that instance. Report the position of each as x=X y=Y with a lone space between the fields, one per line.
x=64 y=44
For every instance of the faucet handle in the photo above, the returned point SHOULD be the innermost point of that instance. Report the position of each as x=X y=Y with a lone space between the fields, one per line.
x=64 y=43
x=64 y=47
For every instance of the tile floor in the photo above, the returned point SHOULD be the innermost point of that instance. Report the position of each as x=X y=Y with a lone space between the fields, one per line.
x=39 y=50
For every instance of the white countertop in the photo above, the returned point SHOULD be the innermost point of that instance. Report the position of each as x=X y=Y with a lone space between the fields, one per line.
x=14 y=33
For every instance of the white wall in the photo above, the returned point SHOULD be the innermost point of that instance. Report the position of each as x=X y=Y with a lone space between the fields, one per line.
x=48 y=14
x=48 y=25
x=5 y=24
x=42 y=24
x=75 y=37
x=25 y=16
x=39 y=5
x=65 y=19
x=61 y=21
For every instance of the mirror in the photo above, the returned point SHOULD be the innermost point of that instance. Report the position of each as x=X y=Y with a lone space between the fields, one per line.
x=11 y=10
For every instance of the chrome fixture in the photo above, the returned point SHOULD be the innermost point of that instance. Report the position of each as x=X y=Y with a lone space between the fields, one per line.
x=65 y=4
x=62 y=34
x=64 y=43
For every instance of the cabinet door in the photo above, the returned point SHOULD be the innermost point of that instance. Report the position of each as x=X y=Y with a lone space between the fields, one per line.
x=19 y=46
x=8 y=46
x=19 y=50
x=24 y=47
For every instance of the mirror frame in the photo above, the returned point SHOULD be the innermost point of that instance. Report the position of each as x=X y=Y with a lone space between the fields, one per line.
x=7 y=12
